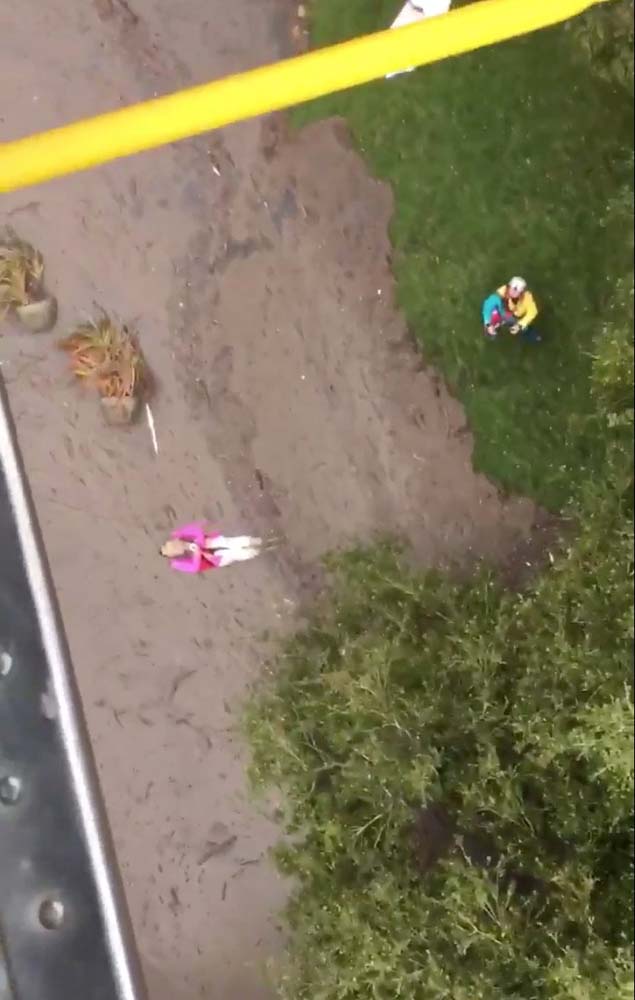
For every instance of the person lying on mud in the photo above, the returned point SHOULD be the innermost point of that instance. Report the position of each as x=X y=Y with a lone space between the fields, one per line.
x=191 y=550
x=513 y=306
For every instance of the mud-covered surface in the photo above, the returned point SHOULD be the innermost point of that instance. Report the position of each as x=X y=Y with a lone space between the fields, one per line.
x=255 y=266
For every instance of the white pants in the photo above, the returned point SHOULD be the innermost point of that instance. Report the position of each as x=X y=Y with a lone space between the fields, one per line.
x=237 y=549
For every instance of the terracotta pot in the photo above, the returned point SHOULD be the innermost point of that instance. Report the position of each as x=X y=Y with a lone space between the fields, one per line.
x=119 y=412
x=38 y=316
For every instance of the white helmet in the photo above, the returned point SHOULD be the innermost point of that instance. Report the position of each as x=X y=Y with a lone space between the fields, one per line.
x=518 y=285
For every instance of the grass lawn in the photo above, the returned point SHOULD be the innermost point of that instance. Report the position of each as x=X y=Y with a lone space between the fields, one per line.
x=502 y=162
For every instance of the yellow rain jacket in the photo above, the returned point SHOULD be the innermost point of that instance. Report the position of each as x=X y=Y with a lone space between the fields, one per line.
x=523 y=309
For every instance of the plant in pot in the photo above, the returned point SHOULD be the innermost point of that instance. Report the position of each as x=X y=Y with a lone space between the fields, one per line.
x=108 y=356
x=22 y=290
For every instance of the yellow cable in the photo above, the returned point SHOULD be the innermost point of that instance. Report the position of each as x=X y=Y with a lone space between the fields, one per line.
x=199 y=109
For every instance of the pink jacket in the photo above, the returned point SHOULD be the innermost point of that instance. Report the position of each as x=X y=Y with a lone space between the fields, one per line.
x=201 y=560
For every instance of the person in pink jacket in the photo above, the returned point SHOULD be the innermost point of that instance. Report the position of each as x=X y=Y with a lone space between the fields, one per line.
x=191 y=549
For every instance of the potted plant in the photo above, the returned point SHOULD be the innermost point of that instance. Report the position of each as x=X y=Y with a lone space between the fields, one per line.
x=22 y=288
x=109 y=357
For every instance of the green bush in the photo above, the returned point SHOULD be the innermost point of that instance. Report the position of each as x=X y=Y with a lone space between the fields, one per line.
x=605 y=35
x=457 y=765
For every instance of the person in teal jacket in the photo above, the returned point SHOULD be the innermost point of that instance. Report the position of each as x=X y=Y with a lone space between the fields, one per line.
x=512 y=306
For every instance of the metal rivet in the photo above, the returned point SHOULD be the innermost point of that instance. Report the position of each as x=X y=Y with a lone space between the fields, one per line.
x=10 y=790
x=48 y=706
x=51 y=914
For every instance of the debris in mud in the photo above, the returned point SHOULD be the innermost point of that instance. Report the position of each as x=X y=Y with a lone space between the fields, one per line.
x=215 y=847
x=174 y=905
x=179 y=681
x=109 y=358
x=112 y=9
x=152 y=429
x=22 y=290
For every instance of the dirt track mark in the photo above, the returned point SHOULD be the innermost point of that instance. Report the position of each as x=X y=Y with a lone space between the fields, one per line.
x=116 y=10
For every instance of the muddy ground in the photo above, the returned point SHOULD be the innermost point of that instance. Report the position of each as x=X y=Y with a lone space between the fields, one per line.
x=255 y=265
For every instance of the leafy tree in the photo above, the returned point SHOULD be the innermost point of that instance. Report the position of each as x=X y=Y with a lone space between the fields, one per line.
x=606 y=37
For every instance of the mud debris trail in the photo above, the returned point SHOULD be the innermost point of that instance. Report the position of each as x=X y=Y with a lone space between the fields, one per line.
x=255 y=266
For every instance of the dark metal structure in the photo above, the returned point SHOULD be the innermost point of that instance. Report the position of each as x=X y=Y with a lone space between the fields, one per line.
x=64 y=928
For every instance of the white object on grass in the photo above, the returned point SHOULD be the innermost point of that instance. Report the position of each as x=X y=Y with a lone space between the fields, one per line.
x=414 y=11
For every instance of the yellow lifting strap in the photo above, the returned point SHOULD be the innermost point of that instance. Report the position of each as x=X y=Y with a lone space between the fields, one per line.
x=199 y=109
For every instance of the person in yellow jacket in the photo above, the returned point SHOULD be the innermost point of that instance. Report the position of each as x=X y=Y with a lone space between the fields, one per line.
x=513 y=306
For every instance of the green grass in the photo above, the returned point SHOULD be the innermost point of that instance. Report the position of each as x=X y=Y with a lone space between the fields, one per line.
x=502 y=162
